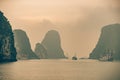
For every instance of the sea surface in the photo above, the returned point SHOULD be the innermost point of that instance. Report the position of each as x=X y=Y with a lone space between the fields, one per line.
x=61 y=69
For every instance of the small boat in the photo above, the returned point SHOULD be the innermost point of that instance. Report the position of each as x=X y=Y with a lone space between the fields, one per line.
x=74 y=57
x=108 y=56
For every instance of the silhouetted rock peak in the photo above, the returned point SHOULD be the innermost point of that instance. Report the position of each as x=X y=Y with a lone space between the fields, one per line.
x=52 y=43
x=109 y=41
x=23 y=46
x=41 y=51
x=7 y=49
x=52 y=38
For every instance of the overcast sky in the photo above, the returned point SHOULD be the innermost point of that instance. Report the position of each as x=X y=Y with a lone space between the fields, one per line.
x=79 y=22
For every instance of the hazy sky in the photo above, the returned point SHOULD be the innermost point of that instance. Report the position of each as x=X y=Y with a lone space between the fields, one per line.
x=78 y=21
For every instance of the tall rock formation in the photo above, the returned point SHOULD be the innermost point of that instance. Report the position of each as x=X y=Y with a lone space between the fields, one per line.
x=7 y=49
x=23 y=46
x=41 y=51
x=109 y=41
x=52 y=44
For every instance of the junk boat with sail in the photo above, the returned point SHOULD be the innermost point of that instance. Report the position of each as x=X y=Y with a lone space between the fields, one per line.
x=108 y=56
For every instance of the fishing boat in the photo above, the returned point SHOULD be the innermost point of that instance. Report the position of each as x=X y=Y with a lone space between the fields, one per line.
x=108 y=56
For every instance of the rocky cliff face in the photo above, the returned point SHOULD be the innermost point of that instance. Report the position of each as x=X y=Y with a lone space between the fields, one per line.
x=23 y=46
x=7 y=49
x=109 y=41
x=52 y=44
x=40 y=51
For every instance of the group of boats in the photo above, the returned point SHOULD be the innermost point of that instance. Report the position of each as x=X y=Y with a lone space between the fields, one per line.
x=107 y=56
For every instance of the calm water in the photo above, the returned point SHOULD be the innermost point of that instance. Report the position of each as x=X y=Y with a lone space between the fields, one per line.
x=58 y=70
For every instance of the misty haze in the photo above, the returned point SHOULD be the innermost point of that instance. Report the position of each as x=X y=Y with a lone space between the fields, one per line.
x=59 y=39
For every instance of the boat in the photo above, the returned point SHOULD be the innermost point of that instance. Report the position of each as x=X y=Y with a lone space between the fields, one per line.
x=108 y=56
x=74 y=57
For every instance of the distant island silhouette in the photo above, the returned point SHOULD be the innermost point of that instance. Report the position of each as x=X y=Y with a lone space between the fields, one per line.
x=51 y=45
x=41 y=51
x=109 y=43
x=23 y=46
